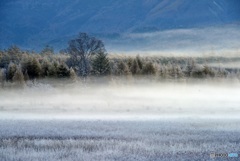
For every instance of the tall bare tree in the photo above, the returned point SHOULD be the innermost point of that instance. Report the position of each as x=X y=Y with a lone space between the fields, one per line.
x=81 y=50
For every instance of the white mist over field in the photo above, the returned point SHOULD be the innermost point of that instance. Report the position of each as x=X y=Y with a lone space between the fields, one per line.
x=120 y=121
x=122 y=101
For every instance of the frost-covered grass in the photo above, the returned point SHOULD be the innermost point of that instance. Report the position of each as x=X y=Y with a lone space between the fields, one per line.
x=163 y=139
x=139 y=121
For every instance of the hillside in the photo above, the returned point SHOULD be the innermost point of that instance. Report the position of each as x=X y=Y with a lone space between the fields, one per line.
x=33 y=24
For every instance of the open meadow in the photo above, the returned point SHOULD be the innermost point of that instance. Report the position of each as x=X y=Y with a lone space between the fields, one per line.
x=132 y=121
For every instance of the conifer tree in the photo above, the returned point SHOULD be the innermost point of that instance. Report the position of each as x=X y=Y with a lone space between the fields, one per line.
x=178 y=72
x=101 y=64
x=129 y=62
x=191 y=65
x=63 y=71
x=2 y=77
x=170 y=70
x=209 y=72
x=149 y=69
x=164 y=72
x=73 y=75
x=135 y=67
x=34 y=68
x=14 y=53
x=123 y=69
x=11 y=70
x=18 y=77
x=52 y=71
x=47 y=51
x=45 y=67
x=26 y=76
x=140 y=62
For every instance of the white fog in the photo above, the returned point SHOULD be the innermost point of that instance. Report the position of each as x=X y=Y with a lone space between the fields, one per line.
x=143 y=100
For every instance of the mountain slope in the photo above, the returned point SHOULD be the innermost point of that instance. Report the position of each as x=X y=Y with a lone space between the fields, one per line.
x=31 y=23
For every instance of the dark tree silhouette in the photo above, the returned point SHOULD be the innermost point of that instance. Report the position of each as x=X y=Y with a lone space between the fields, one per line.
x=33 y=68
x=81 y=50
x=63 y=71
x=101 y=64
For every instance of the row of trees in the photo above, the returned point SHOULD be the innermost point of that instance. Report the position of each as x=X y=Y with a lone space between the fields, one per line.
x=87 y=56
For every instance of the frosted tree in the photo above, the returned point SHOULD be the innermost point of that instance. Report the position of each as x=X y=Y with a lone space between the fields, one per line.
x=73 y=75
x=135 y=67
x=221 y=72
x=170 y=70
x=34 y=68
x=2 y=77
x=46 y=64
x=24 y=61
x=123 y=69
x=178 y=72
x=63 y=71
x=14 y=53
x=149 y=69
x=18 y=77
x=81 y=50
x=161 y=70
x=129 y=62
x=140 y=62
x=238 y=74
x=11 y=70
x=47 y=50
x=52 y=70
x=191 y=64
x=113 y=67
x=208 y=71
x=164 y=72
x=26 y=76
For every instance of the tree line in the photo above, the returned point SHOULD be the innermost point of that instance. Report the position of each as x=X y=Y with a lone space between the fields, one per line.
x=86 y=56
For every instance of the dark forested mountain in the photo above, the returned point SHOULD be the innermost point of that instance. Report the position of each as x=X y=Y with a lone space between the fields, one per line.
x=33 y=24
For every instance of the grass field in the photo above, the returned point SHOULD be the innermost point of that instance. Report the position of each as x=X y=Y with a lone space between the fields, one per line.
x=114 y=122
x=163 y=139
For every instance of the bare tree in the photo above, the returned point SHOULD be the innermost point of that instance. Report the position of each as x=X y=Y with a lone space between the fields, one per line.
x=81 y=50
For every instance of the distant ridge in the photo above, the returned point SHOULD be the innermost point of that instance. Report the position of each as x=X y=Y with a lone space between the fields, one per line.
x=33 y=24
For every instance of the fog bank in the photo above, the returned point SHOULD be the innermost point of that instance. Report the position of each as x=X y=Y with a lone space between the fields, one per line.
x=129 y=101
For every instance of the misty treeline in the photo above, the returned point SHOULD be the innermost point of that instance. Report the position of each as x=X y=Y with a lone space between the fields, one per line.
x=86 y=56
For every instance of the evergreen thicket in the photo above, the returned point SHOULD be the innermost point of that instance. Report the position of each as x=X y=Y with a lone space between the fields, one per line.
x=18 y=66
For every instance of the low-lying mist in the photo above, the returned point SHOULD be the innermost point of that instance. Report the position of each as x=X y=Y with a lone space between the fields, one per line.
x=211 y=41
x=139 y=99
